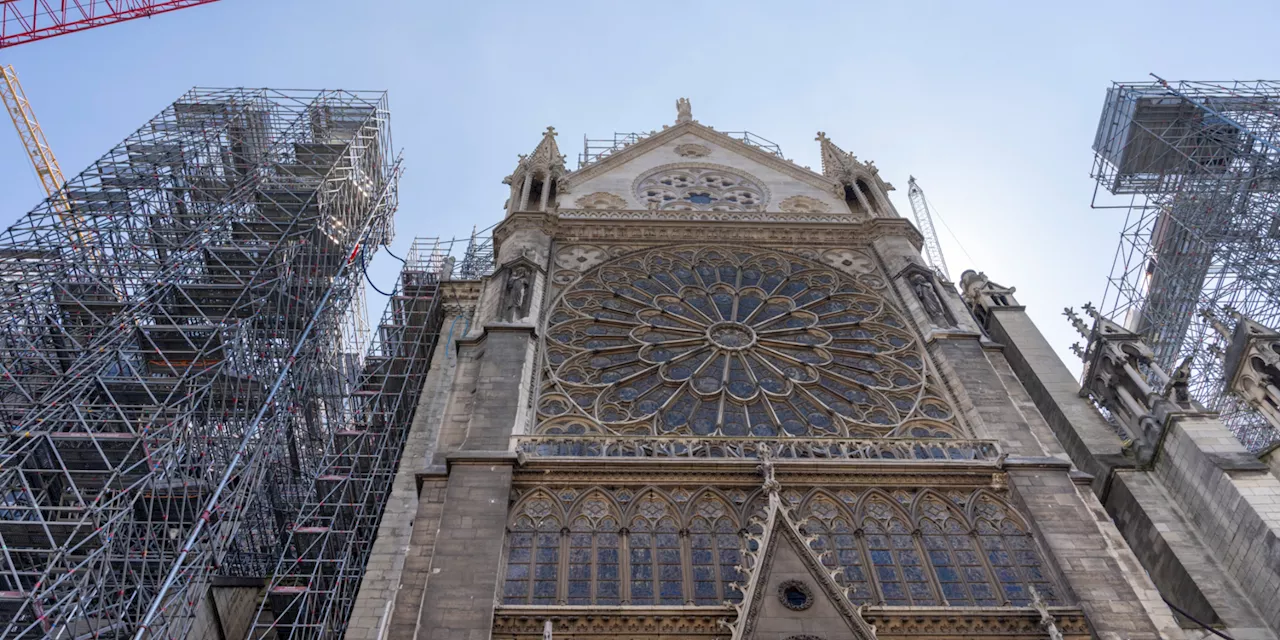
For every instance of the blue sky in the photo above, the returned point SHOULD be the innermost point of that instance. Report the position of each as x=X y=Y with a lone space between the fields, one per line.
x=992 y=106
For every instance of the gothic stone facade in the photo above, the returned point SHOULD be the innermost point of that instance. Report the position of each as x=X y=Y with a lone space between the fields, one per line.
x=708 y=393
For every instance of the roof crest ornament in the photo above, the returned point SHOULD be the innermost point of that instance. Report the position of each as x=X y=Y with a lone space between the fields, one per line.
x=684 y=111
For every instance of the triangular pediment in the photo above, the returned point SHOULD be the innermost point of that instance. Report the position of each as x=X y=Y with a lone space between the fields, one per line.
x=623 y=179
x=788 y=591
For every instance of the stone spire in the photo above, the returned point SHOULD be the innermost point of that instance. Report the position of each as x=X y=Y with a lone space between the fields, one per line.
x=546 y=156
x=837 y=164
x=532 y=181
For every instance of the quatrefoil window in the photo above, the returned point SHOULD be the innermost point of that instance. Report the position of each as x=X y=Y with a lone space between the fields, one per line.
x=733 y=342
x=697 y=187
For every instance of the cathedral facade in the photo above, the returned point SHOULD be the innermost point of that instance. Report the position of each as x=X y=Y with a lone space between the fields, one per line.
x=709 y=393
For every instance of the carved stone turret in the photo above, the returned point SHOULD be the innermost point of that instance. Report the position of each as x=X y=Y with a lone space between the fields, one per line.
x=535 y=181
x=1252 y=366
x=1121 y=374
x=981 y=295
x=859 y=182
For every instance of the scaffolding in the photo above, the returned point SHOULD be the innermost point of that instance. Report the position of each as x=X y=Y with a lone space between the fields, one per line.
x=597 y=149
x=1196 y=165
x=182 y=342
x=314 y=584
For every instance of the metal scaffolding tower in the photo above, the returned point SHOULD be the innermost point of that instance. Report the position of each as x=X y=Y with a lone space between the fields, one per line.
x=179 y=346
x=1197 y=167
x=314 y=584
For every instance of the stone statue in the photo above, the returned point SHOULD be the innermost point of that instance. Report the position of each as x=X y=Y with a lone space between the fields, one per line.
x=684 y=111
x=515 y=296
x=1178 y=390
x=923 y=289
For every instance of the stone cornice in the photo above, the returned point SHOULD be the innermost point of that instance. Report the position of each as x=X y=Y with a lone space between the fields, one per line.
x=977 y=623
x=710 y=135
x=784 y=229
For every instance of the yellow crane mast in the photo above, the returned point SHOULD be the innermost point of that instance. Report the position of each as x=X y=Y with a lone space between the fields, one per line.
x=24 y=120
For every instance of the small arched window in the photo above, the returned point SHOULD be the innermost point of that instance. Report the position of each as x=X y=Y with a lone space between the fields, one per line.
x=533 y=561
x=594 y=544
x=1012 y=553
x=895 y=558
x=838 y=545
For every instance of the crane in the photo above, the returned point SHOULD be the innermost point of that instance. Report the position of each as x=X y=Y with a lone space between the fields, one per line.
x=24 y=21
x=920 y=207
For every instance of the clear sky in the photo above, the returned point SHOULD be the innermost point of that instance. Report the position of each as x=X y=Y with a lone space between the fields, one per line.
x=992 y=106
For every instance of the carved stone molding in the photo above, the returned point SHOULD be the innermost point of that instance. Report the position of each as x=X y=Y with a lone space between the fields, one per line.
x=891 y=623
x=705 y=216
x=600 y=200
x=803 y=204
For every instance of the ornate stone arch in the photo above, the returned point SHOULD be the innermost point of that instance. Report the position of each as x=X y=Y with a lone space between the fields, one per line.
x=656 y=556
x=897 y=561
x=715 y=547
x=700 y=186
x=833 y=531
x=534 y=546
x=951 y=548
x=1010 y=549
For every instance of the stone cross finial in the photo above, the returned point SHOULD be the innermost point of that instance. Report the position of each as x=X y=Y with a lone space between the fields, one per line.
x=684 y=111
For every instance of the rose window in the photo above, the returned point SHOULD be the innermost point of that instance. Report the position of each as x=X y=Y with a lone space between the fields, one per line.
x=733 y=342
x=699 y=188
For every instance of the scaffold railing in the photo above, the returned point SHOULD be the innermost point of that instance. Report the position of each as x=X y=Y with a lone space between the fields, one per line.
x=1196 y=166
x=175 y=358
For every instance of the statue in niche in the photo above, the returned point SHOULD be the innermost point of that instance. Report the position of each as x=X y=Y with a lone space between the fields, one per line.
x=515 y=295
x=923 y=288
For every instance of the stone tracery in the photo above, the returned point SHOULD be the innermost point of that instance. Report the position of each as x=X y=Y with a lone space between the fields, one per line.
x=733 y=342
x=678 y=546
x=700 y=187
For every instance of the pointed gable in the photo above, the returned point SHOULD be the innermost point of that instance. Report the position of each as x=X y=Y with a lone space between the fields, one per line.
x=698 y=154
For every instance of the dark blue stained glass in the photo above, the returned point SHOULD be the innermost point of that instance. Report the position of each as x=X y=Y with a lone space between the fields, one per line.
x=881 y=557
x=515 y=590
x=641 y=572
x=548 y=554
x=607 y=593
x=544 y=589
x=518 y=554
x=579 y=555
x=517 y=571
x=669 y=556
x=671 y=590
x=670 y=572
x=608 y=556
x=1027 y=558
x=860 y=594
x=1015 y=594
x=947 y=574
x=642 y=555
x=998 y=557
x=607 y=572
x=913 y=574
x=954 y=592
x=703 y=572
x=704 y=590
x=939 y=558
x=975 y=574
x=967 y=557
x=893 y=592
x=579 y=572
x=1034 y=573
x=982 y=592
x=1006 y=574
x=854 y=574
x=545 y=572
x=729 y=557
x=887 y=574
x=580 y=590
x=641 y=592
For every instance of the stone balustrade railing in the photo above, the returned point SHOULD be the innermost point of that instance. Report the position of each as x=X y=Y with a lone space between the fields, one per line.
x=683 y=447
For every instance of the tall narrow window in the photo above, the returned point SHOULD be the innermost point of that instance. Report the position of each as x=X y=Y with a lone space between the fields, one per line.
x=533 y=555
x=964 y=578
x=1012 y=554
x=899 y=570
x=715 y=546
x=837 y=538
x=594 y=576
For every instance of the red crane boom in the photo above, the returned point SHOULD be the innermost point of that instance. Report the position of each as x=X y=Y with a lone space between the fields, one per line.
x=23 y=21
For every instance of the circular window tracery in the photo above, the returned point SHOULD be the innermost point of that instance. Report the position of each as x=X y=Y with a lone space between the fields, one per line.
x=700 y=187
x=795 y=595
x=733 y=342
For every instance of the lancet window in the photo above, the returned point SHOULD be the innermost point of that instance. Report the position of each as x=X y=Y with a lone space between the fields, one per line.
x=667 y=554
x=658 y=547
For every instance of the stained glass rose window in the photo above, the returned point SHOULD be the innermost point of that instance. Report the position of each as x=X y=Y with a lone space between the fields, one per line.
x=733 y=342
